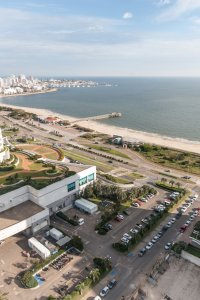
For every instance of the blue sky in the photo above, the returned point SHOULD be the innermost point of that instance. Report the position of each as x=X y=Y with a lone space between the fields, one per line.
x=100 y=37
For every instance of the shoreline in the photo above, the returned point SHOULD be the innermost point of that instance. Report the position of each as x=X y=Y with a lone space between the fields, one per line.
x=146 y=137
x=29 y=94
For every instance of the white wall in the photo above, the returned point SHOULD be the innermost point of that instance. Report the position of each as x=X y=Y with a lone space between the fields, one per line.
x=193 y=259
x=58 y=190
x=46 y=196
x=14 y=198
x=23 y=225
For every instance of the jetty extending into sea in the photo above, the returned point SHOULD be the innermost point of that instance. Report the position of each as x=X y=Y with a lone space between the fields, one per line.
x=94 y=118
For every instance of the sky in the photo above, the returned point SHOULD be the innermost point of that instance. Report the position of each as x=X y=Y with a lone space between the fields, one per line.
x=100 y=37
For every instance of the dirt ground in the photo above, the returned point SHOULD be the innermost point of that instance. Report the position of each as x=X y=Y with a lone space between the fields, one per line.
x=179 y=282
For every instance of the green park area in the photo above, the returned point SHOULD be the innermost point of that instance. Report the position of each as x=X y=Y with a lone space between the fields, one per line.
x=87 y=160
x=185 y=161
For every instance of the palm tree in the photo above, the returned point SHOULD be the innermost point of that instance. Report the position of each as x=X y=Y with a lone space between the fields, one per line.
x=80 y=287
x=178 y=184
x=95 y=274
x=171 y=182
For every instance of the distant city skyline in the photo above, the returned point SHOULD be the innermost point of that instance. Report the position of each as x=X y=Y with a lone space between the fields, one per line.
x=100 y=37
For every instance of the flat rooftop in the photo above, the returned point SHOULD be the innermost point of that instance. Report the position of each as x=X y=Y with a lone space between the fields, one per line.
x=18 y=213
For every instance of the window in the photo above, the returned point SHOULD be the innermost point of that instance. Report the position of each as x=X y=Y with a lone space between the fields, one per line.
x=83 y=181
x=71 y=186
x=91 y=177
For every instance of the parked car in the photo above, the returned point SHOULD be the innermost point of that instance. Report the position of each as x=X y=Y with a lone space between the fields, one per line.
x=127 y=236
x=135 y=204
x=104 y=291
x=143 y=200
x=149 y=246
x=142 y=252
x=168 y=246
x=183 y=228
x=112 y=283
x=119 y=218
x=139 y=226
x=108 y=226
x=133 y=230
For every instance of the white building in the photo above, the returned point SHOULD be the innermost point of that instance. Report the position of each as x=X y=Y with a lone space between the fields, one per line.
x=27 y=209
x=86 y=206
x=4 y=151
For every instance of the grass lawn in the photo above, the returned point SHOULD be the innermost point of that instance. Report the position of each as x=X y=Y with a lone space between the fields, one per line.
x=193 y=250
x=88 y=161
x=185 y=161
x=108 y=150
x=51 y=155
x=115 y=179
x=135 y=175
x=36 y=166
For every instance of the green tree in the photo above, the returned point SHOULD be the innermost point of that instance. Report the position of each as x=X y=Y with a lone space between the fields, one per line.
x=95 y=274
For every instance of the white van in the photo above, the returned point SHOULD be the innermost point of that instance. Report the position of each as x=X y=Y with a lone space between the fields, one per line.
x=81 y=221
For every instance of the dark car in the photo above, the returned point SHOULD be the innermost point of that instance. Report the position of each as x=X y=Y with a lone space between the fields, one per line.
x=107 y=227
x=142 y=252
x=177 y=216
x=164 y=228
x=126 y=212
x=112 y=283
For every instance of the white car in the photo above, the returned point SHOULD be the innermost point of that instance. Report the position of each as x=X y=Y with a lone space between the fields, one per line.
x=104 y=291
x=97 y=298
x=169 y=224
x=124 y=240
x=134 y=231
x=173 y=220
x=154 y=240
x=183 y=209
x=149 y=246
x=188 y=222
x=127 y=236
x=168 y=246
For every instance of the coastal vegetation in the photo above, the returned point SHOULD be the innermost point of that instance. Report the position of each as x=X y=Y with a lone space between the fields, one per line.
x=170 y=185
x=177 y=159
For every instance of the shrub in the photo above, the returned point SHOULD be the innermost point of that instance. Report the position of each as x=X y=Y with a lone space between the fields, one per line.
x=61 y=215
x=28 y=280
x=77 y=243
x=102 y=231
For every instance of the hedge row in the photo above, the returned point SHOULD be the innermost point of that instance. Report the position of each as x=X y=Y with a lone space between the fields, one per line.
x=61 y=215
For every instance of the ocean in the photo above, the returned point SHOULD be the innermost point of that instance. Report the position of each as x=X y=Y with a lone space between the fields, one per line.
x=166 y=106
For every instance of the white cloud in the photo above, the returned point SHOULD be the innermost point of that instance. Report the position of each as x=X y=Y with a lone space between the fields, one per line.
x=163 y=2
x=179 y=8
x=127 y=15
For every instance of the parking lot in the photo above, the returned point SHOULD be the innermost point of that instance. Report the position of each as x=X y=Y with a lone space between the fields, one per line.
x=95 y=246
x=66 y=271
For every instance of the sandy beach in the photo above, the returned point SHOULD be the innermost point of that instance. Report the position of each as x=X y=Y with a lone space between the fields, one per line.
x=146 y=137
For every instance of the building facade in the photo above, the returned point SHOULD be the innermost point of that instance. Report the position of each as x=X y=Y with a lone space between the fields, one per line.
x=45 y=202
x=4 y=151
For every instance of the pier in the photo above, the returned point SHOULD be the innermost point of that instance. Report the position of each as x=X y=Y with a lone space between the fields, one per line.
x=100 y=117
